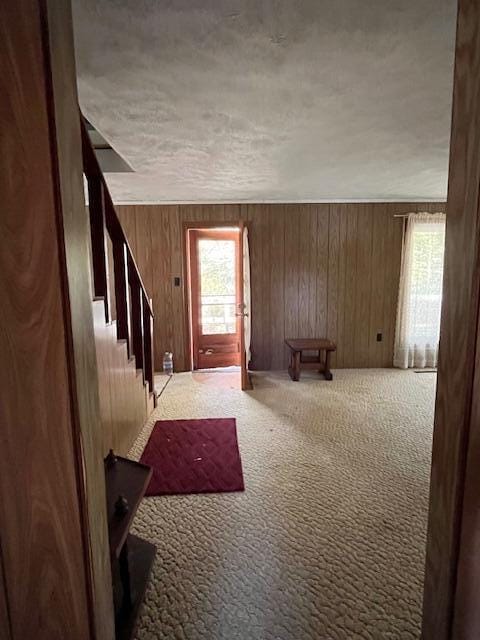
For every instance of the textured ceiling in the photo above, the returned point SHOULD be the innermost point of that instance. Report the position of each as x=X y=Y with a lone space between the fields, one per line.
x=270 y=100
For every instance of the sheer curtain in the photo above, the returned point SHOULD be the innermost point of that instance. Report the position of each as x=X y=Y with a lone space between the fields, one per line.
x=247 y=296
x=420 y=295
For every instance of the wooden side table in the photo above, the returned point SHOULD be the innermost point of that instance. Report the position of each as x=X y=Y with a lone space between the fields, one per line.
x=298 y=360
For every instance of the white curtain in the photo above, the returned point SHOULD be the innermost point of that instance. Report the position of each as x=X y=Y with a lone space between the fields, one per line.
x=420 y=295
x=247 y=295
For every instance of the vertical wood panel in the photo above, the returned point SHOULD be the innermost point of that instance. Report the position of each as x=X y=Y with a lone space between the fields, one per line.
x=232 y=212
x=161 y=282
x=191 y=212
x=178 y=301
x=143 y=251
x=322 y=269
x=393 y=245
x=332 y=233
x=302 y=266
x=361 y=283
x=341 y=294
x=127 y=215
x=312 y=270
x=276 y=228
x=292 y=275
x=256 y=278
x=379 y=261
x=263 y=231
x=349 y=325
x=307 y=272
x=393 y=286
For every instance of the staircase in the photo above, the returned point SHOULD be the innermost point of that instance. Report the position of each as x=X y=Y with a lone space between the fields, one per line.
x=123 y=317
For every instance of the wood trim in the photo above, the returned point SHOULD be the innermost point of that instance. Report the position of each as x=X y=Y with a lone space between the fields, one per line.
x=193 y=286
x=73 y=239
x=200 y=341
x=245 y=381
x=453 y=562
x=187 y=312
x=187 y=303
x=210 y=224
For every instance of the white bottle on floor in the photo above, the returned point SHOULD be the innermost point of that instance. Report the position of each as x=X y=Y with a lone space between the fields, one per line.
x=168 y=363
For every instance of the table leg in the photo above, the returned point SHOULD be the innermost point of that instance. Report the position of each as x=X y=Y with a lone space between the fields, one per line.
x=327 y=372
x=290 y=367
x=294 y=367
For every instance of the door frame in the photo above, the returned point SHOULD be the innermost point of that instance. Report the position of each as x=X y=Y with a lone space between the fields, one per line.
x=452 y=576
x=194 y=289
x=187 y=306
x=245 y=311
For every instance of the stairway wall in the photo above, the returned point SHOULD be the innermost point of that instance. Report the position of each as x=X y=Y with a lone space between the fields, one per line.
x=125 y=402
x=54 y=555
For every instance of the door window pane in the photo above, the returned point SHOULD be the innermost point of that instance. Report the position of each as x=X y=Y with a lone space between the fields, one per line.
x=217 y=286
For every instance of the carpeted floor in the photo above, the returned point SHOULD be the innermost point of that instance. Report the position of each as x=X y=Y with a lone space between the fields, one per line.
x=327 y=541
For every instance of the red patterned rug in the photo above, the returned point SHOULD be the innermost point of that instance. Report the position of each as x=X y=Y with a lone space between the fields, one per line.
x=193 y=456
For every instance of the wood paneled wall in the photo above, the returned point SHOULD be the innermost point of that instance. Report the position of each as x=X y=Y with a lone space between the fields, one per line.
x=452 y=578
x=75 y=238
x=48 y=385
x=316 y=270
x=125 y=401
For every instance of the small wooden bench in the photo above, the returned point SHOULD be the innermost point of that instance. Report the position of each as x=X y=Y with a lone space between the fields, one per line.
x=298 y=360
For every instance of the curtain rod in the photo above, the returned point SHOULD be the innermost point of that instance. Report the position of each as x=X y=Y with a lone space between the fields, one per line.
x=405 y=215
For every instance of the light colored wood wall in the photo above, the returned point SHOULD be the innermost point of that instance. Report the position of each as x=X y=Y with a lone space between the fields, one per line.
x=317 y=270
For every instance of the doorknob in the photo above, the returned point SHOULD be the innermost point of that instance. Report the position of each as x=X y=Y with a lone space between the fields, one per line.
x=242 y=315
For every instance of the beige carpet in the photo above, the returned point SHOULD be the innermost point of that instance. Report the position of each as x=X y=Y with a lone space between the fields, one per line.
x=328 y=539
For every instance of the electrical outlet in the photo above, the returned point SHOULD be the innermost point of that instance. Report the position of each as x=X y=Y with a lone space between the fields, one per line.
x=379 y=337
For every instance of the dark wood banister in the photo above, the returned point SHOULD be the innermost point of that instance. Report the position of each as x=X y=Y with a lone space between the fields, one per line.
x=134 y=313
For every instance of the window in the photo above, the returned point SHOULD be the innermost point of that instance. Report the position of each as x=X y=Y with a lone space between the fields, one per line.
x=217 y=286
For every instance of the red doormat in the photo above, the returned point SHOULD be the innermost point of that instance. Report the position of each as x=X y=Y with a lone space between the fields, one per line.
x=193 y=456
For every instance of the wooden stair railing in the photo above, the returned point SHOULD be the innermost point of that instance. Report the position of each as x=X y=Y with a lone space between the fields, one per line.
x=134 y=313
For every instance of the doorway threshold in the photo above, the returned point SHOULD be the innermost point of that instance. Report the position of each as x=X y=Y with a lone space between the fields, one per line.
x=230 y=369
